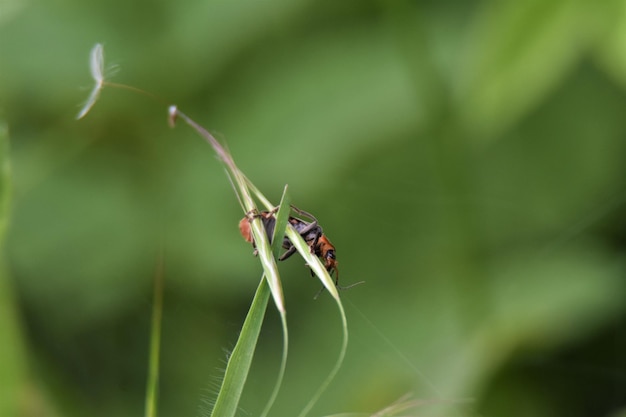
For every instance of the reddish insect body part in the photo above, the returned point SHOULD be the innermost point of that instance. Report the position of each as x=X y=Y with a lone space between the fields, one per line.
x=326 y=251
x=246 y=230
x=269 y=221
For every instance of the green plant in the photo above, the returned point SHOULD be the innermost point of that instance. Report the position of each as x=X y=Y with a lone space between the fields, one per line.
x=248 y=194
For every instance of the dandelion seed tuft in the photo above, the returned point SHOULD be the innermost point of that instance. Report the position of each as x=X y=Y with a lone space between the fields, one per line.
x=96 y=64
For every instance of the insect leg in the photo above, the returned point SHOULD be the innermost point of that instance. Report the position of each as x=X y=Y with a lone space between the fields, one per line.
x=287 y=254
x=304 y=213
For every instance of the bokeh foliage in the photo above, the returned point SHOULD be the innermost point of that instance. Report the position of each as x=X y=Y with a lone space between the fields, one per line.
x=466 y=158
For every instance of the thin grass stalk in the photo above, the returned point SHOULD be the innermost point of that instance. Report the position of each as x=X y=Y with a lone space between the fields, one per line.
x=335 y=370
x=282 y=218
x=152 y=387
x=241 y=187
x=5 y=174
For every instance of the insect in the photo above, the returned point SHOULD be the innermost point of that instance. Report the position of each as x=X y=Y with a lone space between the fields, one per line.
x=310 y=231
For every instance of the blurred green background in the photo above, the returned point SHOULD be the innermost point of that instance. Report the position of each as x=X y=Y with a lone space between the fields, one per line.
x=466 y=158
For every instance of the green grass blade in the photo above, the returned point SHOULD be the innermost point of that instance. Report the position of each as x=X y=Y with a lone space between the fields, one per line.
x=282 y=218
x=13 y=379
x=269 y=263
x=259 y=195
x=316 y=265
x=335 y=370
x=5 y=186
x=240 y=359
x=152 y=387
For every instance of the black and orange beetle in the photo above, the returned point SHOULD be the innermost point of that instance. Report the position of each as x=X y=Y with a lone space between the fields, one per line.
x=310 y=231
